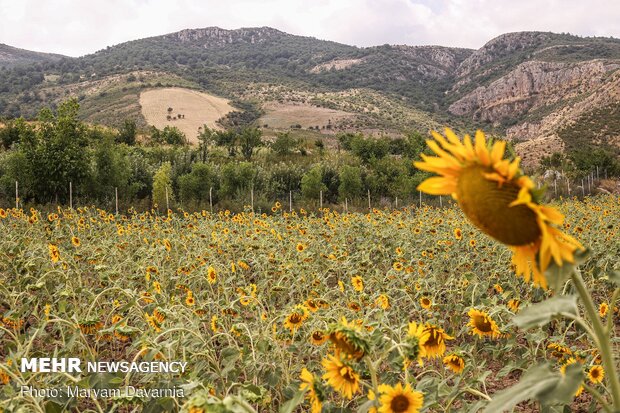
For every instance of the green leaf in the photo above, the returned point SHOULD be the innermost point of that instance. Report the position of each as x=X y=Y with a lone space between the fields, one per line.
x=614 y=277
x=539 y=314
x=566 y=387
x=541 y=383
x=557 y=275
x=290 y=405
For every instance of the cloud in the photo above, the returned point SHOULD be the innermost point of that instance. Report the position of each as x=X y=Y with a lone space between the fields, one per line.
x=76 y=27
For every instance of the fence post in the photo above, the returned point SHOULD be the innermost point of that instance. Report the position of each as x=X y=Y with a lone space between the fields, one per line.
x=252 y=197
x=583 y=188
x=396 y=203
x=346 y=205
x=211 y=198
x=167 y=201
x=420 y=192
x=440 y=202
x=116 y=198
x=369 y=208
x=70 y=195
x=321 y=199
x=555 y=186
x=290 y=201
x=16 y=196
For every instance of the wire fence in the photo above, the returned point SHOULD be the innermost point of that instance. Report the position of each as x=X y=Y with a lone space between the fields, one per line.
x=557 y=186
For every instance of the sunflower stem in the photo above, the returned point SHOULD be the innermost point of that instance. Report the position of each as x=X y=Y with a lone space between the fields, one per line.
x=598 y=396
x=610 y=310
x=603 y=343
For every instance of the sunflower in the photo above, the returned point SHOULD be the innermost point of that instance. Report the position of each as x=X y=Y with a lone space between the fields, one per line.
x=54 y=252
x=312 y=305
x=318 y=337
x=341 y=376
x=482 y=324
x=432 y=339
x=454 y=362
x=398 y=266
x=602 y=309
x=509 y=211
x=498 y=288
x=189 y=300
x=383 y=301
x=295 y=319
x=399 y=400
x=358 y=283
x=157 y=287
x=300 y=247
x=596 y=374
x=214 y=324
x=458 y=234
x=75 y=241
x=211 y=275
x=513 y=305
x=426 y=303
x=315 y=391
x=347 y=339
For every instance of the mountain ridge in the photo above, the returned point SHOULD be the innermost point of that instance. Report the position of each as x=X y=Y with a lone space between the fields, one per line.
x=523 y=85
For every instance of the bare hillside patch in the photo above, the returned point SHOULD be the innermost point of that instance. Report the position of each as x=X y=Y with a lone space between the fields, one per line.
x=190 y=109
x=285 y=115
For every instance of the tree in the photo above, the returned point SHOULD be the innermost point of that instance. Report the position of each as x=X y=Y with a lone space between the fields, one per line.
x=195 y=186
x=127 y=133
x=57 y=153
x=162 y=183
x=350 y=182
x=110 y=170
x=284 y=144
x=205 y=137
x=312 y=183
x=249 y=139
x=227 y=139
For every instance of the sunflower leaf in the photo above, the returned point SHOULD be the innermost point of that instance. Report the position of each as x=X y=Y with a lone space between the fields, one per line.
x=614 y=277
x=558 y=274
x=539 y=382
x=291 y=404
x=539 y=314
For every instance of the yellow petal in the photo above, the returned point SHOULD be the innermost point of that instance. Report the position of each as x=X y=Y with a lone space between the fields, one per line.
x=438 y=186
x=481 y=148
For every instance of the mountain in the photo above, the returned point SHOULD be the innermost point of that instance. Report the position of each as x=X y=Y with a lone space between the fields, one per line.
x=12 y=56
x=536 y=88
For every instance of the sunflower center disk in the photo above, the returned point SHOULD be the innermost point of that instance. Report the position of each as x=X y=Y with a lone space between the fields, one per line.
x=399 y=404
x=486 y=205
x=482 y=324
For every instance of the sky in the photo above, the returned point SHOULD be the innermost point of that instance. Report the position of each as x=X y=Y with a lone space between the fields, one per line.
x=78 y=27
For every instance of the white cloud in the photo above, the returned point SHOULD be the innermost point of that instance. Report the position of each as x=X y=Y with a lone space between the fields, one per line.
x=76 y=27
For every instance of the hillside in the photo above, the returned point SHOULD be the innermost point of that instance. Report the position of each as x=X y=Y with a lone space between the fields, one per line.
x=528 y=86
x=12 y=56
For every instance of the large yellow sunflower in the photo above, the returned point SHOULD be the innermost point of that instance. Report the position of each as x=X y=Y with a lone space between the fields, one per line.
x=431 y=339
x=314 y=392
x=482 y=324
x=400 y=400
x=341 y=376
x=498 y=199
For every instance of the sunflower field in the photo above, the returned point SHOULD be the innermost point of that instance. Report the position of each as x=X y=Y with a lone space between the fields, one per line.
x=494 y=303
x=390 y=311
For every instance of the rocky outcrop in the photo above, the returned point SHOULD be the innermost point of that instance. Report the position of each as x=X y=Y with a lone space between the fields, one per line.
x=531 y=85
x=501 y=46
x=215 y=36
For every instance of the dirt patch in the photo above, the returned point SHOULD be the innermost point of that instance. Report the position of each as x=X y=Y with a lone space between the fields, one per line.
x=337 y=64
x=285 y=115
x=532 y=151
x=195 y=109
